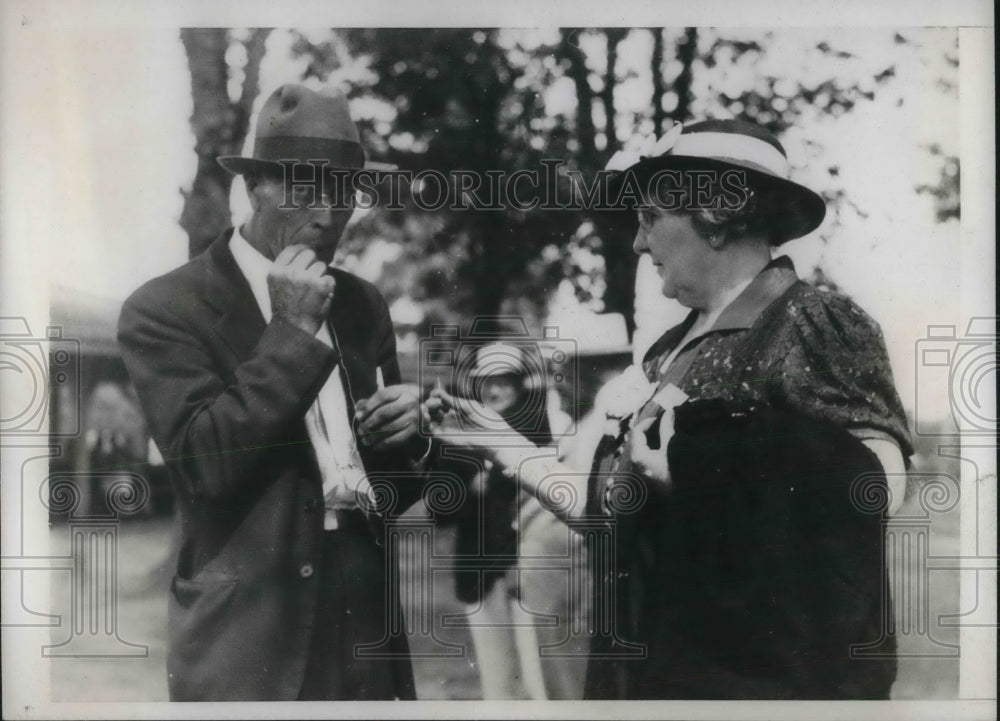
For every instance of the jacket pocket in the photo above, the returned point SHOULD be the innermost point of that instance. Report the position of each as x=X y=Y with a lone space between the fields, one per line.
x=201 y=595
x=200 y=620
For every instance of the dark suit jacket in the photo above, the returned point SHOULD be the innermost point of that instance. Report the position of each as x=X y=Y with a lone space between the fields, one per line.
x=225 y=395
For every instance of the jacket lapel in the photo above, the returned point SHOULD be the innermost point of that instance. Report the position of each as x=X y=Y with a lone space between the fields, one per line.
x=351 y=329
x=240 y=323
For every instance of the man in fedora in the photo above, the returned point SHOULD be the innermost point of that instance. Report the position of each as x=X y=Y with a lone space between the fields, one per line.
x=271 y=384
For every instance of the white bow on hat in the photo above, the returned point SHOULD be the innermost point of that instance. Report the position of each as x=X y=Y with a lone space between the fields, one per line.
x=649 y=148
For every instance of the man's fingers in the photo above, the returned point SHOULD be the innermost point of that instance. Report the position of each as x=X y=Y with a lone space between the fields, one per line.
x=300 y=263
x=386 y=441
x=374 y=437
x=296 y=257
x=299 y=259
x=387 y=414
x=317 y=268
x=291 y=252
x=287 y=253
x=368 y=405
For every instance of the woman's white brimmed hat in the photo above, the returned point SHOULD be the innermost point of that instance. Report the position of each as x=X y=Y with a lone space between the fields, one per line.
x=722 y=145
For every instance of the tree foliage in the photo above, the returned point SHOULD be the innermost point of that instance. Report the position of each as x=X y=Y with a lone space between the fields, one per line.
x=218 y=122
x=483 y=99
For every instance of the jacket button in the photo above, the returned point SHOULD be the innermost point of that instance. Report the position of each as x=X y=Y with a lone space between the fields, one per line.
x=306 y=571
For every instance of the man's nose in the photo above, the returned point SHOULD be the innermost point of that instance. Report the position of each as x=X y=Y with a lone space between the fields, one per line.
x=327 y=211
x=324 y=216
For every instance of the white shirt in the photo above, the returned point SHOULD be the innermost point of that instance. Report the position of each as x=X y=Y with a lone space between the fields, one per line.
x=327 y=420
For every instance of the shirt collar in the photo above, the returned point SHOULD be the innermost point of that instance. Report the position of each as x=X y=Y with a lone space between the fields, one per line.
x=255 y=268
x=776 y=277
x=766 y=287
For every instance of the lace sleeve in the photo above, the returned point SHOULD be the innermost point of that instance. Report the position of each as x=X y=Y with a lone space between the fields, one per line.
x=835 y=367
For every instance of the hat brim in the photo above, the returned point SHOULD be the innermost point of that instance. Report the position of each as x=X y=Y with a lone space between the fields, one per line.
x=239 y=165
x=797 y=210
x=493 y=373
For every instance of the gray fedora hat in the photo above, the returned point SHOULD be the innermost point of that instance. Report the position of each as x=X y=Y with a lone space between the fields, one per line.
x=302 y=125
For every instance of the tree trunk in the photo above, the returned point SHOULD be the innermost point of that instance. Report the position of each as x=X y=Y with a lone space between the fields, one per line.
x=656 y=65
x=687 y=47
x=577 y=71
x=620 y=264
x=616 y=241
x=219 y=127
x=614 y=36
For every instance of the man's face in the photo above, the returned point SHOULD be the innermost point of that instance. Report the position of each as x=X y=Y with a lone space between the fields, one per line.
x=276 y=228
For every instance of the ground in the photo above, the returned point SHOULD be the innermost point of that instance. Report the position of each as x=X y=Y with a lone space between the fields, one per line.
x=145 y=559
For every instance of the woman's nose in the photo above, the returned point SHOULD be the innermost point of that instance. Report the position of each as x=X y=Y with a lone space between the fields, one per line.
x=639 y=244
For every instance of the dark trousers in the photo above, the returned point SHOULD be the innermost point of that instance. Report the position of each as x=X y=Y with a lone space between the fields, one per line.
x=351 y=611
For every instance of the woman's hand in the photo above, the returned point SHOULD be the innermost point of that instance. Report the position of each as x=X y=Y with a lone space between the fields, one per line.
x=652 y=463
x=624 y=394
x=467 y=423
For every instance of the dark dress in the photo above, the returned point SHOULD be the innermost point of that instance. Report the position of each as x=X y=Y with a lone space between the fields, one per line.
x=754 y=572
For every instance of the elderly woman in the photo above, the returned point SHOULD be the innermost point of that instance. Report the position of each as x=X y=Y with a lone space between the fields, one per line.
x=758 y=449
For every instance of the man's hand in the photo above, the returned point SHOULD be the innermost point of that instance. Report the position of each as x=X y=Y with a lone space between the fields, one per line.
x=300 y=292
x=389 y=418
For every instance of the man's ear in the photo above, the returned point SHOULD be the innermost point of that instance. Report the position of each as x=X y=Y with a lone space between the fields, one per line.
x=252 y=183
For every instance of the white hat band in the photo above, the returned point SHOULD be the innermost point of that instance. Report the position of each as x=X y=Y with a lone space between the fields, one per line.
x=732 y=147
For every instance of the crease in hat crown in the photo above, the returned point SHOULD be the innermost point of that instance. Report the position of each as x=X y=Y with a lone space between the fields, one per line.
x=302 y=125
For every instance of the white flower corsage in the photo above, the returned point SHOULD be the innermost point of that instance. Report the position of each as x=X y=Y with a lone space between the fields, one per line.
x=622 y=397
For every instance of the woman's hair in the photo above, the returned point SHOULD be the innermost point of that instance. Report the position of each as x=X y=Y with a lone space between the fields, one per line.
x=720 y=216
